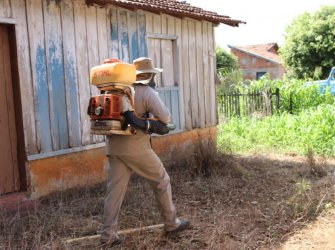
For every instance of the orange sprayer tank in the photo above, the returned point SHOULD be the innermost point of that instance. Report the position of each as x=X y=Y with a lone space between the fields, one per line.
x=113 y=71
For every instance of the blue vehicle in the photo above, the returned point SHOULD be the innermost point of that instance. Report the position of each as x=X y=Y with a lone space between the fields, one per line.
x=329 y=82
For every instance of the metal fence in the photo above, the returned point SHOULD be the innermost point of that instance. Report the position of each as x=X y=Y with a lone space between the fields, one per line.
x=247 y=104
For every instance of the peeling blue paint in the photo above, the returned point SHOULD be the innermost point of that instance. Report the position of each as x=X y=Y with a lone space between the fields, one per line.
x=124 y=46
x=114 y=33
x=175 y=113
x=134 y=47
x=161 y=94
x=124 y=37
x=171 y=100
x=73 y=103
x=59 y=119
x=168 y=100
x=42 y=102
x=143 y=47
x=114 y=28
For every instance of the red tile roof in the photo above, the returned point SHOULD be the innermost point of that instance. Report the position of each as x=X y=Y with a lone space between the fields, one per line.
x=171 y=7
x=261 y=50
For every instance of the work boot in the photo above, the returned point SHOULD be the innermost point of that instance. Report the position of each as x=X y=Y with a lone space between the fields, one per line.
x=112 y=242
x=184 y=224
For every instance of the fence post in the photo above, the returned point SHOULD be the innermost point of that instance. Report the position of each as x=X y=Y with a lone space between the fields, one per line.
x=235 y=103
x=291 y=104
x=257 y=101
x=277 y=99
x=269 y=95
x=238 y=102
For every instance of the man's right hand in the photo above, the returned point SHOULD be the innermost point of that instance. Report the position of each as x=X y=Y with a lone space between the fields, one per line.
x=158 y=127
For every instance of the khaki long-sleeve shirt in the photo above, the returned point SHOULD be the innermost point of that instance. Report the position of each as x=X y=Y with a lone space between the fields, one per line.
x=146 y=100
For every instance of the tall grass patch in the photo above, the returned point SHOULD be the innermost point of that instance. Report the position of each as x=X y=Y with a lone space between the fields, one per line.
x=310 y=129
x=305 y=120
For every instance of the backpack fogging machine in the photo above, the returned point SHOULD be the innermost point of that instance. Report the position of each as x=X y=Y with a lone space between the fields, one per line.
x=113 y=112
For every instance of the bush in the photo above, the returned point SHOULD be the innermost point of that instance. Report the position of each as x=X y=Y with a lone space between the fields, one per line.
x=225 y=60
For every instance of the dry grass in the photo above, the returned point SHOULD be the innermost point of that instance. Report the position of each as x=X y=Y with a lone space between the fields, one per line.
x=233 y=203
x=317 y=166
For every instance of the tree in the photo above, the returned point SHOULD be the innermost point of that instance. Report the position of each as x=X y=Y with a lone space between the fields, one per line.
x=225 y=60
x=309 y=48
x=228 y=69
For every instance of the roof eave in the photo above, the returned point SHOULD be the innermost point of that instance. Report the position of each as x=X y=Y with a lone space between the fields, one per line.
x=176 y=13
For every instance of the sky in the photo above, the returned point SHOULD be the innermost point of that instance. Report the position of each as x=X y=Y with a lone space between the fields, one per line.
x=266 y=19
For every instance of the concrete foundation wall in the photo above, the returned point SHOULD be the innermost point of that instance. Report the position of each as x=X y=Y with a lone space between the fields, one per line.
x=86 y=168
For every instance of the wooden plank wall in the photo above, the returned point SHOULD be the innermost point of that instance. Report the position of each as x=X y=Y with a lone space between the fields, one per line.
x=58 y=42
x=195 y=66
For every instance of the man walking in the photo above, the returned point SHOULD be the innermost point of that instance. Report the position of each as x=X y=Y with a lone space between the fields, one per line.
x=127 y=154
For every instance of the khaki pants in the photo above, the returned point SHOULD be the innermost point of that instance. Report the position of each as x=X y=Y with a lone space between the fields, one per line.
x=127 y=154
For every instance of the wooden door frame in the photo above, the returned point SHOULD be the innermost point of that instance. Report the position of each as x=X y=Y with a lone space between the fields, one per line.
x=21 y=155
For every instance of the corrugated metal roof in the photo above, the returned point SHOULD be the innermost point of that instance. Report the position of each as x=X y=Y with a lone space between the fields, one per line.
x=260 y=50
x=171 y=7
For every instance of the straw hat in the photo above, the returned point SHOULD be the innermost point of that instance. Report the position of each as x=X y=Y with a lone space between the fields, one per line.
x=144 y=65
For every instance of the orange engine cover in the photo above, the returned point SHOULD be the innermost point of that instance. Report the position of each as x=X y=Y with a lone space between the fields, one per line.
x=105 y=107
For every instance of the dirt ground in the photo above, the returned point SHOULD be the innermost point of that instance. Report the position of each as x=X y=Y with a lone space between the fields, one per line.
x=233 y=202
x=317 y=235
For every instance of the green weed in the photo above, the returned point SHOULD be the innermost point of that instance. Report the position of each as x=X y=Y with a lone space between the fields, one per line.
x=301 y=201
x=309 y=129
